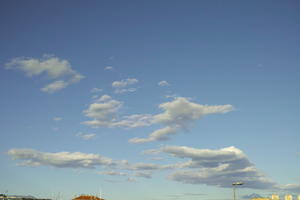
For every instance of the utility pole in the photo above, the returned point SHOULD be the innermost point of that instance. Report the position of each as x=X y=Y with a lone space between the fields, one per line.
x=234 y=188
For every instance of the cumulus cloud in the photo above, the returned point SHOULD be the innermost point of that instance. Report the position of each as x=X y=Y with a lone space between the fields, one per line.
x=178 y=115
x=163 y=83
x=87 y=136
x=52 y=67
x=32 y=157
x=214 y=167
x=123 y=85
x=219 y=168
x=104 y=113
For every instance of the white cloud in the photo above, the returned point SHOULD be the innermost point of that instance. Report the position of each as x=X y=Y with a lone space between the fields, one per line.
x=61 y=159
x=124 y=83
x=57 y=118
x=53 y=67
x=179 y=114
x=163 y=83
x=158 y=135
x=124 y=90
x=217 y=167
x=112 y=173
x=134 y=121
x=55 y=86
x=96 y=90
x=104 y=113
x=88 y=136
x=143 y=174
x=108 y=68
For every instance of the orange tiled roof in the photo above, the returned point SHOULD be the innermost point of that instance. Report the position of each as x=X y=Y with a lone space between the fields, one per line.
x=87 y=197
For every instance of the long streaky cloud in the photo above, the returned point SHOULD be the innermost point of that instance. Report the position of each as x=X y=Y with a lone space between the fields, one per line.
x=32 y=157
x=178 y=115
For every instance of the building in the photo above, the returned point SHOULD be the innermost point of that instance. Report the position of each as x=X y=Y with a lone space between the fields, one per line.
x=275 y=197
x=87 y=197
x=261 y=198
x=288 y=197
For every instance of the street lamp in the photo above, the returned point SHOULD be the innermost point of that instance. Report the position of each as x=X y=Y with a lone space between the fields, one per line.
x=234 y=186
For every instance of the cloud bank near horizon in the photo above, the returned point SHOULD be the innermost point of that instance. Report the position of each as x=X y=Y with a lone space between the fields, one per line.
x=214 y=167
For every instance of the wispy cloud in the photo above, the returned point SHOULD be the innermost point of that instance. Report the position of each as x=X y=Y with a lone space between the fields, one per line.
x=123 y=85
x=108 y=68
x=178 y=115
x=143 y=174
x=32 y=157
x=112 y=173
x=86 y=136
x=163 y=83
x=57 y=118
x=96 y=90
x=104 y=113
x=52 y=67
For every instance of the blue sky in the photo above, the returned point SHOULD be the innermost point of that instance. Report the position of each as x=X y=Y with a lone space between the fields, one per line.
x=149 y=99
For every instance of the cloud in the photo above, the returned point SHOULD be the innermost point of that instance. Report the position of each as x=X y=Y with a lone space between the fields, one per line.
x=112 y=173
x=158 y=135
x=55 y=86
x=52 y=67
x=86 y=136
x=219 y=168
x=178 y=115
x=214 y=167
x=163 y=83
x=124 y=83
x=124 y=90
x=143 y=174
x=131 y=179
x=32 y=157
x=122 y=86
x=96 y=90
x=104 y=113
x=57 y=118
x=108 y=68
x=144 y=167
x=291 y=188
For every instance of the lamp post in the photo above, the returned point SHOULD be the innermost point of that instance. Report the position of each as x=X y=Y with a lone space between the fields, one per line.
x=234 y=187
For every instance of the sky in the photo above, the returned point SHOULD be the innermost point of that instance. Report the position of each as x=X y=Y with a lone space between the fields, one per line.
x=154 y=100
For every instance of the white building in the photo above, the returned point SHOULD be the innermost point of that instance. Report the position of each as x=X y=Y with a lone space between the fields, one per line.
x=288 y=197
